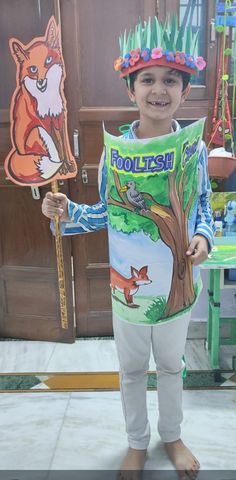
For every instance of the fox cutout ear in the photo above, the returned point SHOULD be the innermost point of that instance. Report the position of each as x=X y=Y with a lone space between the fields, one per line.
x=18 y=51
x=52 y=34
x=143 y=270
x=134 y=272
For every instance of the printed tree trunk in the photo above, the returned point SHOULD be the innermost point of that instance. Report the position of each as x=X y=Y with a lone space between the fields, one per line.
x=172 y=223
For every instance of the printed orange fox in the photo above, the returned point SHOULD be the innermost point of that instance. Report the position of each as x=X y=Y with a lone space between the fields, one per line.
x=41 y=151
x=129 y=286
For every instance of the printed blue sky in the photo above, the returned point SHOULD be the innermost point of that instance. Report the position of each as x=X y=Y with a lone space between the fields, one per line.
x=138 y=250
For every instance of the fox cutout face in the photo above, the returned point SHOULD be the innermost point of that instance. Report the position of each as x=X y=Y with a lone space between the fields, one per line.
x=41 y=152
x=41 y=71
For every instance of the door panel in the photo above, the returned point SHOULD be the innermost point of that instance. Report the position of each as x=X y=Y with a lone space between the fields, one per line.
x=91 y=30
x=29 y=299
x=100 y=24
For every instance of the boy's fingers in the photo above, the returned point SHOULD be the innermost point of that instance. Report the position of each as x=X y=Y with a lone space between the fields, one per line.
x=198 y=258
x=55 y=211
x=53 y=203
x=191 y=250
x=192 y=247
x=195 y=258
x=56 y=197
x=49 y=195
x=60 y=196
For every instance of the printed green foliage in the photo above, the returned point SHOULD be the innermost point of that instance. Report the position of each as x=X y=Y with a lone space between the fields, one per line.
x=179 y=173
x=155 y=190
x=156 y=311
x=131 y=222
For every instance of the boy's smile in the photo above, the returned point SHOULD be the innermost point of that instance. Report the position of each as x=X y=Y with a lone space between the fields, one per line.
x=158 y=93
x=159 y=103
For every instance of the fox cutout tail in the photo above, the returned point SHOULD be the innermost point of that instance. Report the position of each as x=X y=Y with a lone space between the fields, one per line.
x=41 y=151
x=30 y=168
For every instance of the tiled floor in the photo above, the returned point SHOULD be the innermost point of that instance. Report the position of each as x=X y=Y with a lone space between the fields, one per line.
x=74 y=431
x=89 y=356
x=54 y=432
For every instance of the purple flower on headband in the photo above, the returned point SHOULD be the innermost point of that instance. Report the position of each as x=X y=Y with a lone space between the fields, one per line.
x=189 y=61
x=146 y=54
x=170 y=57
x=126 y=60
x=200 y=63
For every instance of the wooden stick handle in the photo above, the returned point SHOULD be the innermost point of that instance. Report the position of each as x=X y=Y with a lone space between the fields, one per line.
x=60 y=266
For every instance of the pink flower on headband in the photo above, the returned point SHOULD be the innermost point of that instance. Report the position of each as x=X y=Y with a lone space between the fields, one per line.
x=157 y=53
x=180 y=58
x=135 y=56
x=200 y=63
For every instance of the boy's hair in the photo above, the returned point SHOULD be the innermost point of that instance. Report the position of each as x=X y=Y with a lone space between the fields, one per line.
x=132 y=77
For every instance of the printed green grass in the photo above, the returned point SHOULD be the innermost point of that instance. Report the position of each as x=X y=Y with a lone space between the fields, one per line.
x=156 y=311
x=149 y=310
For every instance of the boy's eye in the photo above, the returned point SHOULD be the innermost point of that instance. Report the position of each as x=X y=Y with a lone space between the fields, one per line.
x=33 y=69
x=170 y=81
x=48 y=60
x=147 y=80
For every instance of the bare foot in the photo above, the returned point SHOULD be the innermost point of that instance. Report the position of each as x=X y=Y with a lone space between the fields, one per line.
x=132 y=465
x=183 y=460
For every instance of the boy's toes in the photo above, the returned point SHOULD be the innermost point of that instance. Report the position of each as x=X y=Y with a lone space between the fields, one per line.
x=192 y=473
x=196 y=462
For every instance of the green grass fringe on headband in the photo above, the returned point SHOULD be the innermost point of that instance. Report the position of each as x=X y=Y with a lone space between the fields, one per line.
x=167 y=35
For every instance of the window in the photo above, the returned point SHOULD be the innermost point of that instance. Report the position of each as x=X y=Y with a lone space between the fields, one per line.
x=194 y=13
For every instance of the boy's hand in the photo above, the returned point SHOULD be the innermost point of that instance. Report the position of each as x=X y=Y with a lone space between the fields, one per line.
x=56 y=204
x=198 y=249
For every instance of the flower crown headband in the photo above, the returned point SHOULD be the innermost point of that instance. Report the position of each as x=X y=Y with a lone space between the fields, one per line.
x=155 y=43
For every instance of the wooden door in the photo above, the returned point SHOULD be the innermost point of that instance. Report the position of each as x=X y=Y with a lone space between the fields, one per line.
x=95 y=93
x=29 y=303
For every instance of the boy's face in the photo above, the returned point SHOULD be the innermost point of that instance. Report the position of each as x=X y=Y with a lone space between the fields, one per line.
x=158 y=92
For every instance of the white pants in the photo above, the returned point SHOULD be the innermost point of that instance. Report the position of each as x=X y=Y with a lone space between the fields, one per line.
x=133 y=343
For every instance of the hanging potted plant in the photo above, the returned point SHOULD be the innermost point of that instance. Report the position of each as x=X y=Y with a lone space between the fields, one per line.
x=222 y=158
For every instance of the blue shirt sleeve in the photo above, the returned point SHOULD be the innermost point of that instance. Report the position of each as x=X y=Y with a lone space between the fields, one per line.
x=204 y=222
x=88 y=218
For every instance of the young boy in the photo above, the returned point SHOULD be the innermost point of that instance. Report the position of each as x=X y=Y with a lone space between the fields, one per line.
x=158 y=82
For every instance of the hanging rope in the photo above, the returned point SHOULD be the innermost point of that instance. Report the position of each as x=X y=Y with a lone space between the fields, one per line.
x=224 y=76
x=234 y=91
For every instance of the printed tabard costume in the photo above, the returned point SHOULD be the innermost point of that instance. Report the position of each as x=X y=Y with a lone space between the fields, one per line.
x=154 y=198
x=154 y=195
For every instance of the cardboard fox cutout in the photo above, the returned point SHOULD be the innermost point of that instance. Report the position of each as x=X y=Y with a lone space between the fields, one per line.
x=40 y=147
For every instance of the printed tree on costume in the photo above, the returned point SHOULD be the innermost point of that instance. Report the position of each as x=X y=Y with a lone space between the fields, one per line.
x=169 y=206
